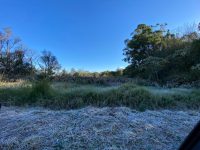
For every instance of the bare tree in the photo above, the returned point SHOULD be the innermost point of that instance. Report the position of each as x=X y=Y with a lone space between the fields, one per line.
x=7 y=42
x=13 y=60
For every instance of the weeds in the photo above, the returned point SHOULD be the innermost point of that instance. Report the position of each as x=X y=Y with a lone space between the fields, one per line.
x=75 y=96
x=41 y=89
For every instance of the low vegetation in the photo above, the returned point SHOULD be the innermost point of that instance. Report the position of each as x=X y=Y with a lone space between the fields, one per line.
x=73 y=96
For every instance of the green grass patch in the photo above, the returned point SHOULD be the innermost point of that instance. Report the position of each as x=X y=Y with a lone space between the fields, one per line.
x=73 y=96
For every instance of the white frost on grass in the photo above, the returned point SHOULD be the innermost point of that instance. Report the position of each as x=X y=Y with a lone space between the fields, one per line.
x=161 y=91
x=94 y=128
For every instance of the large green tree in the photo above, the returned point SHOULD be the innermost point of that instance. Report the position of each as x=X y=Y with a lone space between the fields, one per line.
x=144 y=42
x=154 y=53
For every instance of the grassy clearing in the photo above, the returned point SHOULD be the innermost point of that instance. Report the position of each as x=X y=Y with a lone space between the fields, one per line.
x=72 y=96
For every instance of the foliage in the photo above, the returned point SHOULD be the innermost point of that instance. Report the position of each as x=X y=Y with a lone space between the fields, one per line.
x=18 y=62
x=158 y=55
x=144 y=42
x=41 y=89
x=195 y=71
x=13 y=59
x=154 y=53
x=48 y=64
x=152 y=68
x=72 y=97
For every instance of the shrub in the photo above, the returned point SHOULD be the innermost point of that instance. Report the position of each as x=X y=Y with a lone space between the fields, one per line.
x=152 y=67
x=40 y=89
x=138 y=98
x=195 y=72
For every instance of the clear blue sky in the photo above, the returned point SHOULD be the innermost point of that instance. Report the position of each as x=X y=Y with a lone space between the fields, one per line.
x=89 y=34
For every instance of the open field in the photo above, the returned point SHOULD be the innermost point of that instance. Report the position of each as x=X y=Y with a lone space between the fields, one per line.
x=94 y=128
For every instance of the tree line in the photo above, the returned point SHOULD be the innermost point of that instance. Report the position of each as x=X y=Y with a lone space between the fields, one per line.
x=155 y=53
x=17 y=61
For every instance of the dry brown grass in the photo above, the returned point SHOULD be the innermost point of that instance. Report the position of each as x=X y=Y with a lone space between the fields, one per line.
x=17 y=84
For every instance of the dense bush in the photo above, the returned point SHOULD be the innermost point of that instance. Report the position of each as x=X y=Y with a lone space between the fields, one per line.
x=195 y=72
x=157 y=55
